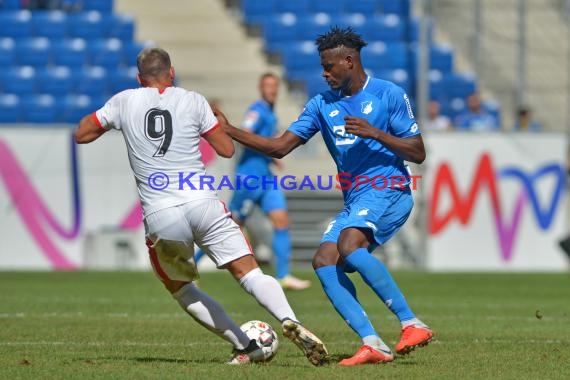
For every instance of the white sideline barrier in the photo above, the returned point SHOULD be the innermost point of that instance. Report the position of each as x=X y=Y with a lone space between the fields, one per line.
x=511 y=222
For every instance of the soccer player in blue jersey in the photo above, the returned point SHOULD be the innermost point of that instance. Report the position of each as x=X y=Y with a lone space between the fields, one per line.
x=260 y=119
x=369 y=129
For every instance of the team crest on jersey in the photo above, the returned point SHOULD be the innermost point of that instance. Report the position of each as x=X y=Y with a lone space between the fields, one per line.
x=366 y=107
x=342 y=137
x=250 y=119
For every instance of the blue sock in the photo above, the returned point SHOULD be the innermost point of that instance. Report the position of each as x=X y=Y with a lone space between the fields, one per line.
x=282 y=249
x=198 y=255
x=340 y=291
x=376 y=275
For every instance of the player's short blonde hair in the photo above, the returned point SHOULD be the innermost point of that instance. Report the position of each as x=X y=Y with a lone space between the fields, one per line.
x=153 y=62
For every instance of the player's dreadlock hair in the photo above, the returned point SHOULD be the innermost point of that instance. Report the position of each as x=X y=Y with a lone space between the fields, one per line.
x=153 y=62
x=336 y=37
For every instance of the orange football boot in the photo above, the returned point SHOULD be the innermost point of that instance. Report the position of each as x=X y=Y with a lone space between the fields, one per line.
x=367 y=355
x=413 y=336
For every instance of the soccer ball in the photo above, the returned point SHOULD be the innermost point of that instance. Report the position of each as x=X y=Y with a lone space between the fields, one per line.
x=264 y=335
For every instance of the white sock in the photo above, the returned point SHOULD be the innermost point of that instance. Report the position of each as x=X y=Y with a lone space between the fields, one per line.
x=415 y=322
x=376 y=343
x=267 y=291
x=210 y=314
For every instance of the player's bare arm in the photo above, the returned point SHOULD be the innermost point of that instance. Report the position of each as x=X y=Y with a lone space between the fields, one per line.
x=220 y=141
x=410 y=148
x=276 y=147
x=89 y=130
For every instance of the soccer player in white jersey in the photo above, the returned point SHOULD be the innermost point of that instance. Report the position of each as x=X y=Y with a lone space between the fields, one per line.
x=162 y=125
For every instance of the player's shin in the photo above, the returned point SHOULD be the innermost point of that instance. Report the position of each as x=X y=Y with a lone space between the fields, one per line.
x=267 y=291
x=281 y=246
x=210 y=314
x=343 y=298
x=377 y=276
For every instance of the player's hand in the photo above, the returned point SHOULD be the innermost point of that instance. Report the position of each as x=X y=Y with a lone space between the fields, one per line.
x=222 y=119
x=359 y=127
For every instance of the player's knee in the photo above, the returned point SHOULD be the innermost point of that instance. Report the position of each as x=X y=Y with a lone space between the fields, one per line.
x=350 y=240
x=322 y=260
x=279 y=219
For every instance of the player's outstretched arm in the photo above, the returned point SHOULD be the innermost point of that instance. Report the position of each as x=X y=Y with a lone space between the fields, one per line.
x=276 y=147
x=221 y=142
x=410 y=149
x=88 y=130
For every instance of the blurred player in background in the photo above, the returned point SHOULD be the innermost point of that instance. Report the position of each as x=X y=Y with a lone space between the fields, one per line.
x=162 y=126
x=260 y=119
x=369 y=129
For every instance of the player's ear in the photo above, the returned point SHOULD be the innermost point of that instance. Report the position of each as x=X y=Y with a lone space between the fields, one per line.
x=139 y=79
x=172 y=73
x=349 y=61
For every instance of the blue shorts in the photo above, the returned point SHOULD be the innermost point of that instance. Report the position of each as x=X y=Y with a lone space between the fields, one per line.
x=383 y=215
x=268 y=199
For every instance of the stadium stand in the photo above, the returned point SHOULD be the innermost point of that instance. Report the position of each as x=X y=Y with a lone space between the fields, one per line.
x=58 y=64
x=288 y=30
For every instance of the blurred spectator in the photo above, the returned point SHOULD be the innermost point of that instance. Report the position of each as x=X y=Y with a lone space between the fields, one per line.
x=525 y=121
x=436 y=121
x=476 y=118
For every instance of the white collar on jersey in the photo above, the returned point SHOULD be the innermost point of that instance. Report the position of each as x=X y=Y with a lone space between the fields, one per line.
x=363 y=87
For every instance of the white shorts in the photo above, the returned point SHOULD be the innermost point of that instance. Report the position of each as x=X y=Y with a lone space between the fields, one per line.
x=172 y=232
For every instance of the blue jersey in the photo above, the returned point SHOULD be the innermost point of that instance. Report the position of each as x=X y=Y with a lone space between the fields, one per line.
x=385 y=105
x=261 y=120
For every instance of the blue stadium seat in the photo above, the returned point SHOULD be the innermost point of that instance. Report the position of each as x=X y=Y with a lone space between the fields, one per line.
x=389 y=28
x=436 y=88
x=18 y=80
x=93 y=81
x=70 y=52
x=50 y=24
x=312 y=25
x=294 y=6
x=332 y=7
x=35 y=52
x=106 y=53
x=441 y=57
x=132 y=49
x=453 y=107
x=10 y=4
x=75 y=107
x=255 y=11
x=16 y=24
x=399 y=77
x=7 y=51
x=123 y=79
x=57 y=81
x=385 y=56
x=41 y=109
x=10 y=108
x=103 y=6
x=279 y=30
x=90 y=25
x=459 y=85
x=301 y=56
x=355 y=20
x=122 y=26
x=399 y=7
x=369 y=7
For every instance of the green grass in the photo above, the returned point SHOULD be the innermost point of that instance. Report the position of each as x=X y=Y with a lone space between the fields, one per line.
x=126 y=326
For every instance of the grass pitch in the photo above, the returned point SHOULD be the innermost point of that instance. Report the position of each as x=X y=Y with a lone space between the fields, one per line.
x=88 y=325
